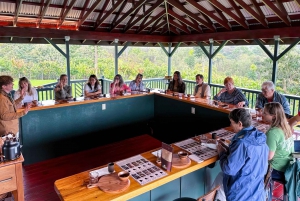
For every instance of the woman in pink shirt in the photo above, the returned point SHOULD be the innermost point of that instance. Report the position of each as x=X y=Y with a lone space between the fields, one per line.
x=118 y=86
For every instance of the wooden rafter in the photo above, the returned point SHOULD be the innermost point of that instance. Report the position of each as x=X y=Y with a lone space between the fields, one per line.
x=137 y=6
x=190 y=14
x=134 y=15
x=64 y=6
x=282 y=14
x=102 y=11
x=86 y=15
x=185 y=21
x=252 y=12
x=196 y=23
x=241 y=21
x=118 y=13
x=237 y=10
x=87 y=2
x=43 y=12
x=257 y=8
x=108 y=13
x=146 y=14
x=143 y=22
x=220 y=13
x=17 y=11
x=209 y=14
x=166 y=9
x=66 y=13
x=179 y=26
x=174 y=30
x=157 y=17
x=156 y=27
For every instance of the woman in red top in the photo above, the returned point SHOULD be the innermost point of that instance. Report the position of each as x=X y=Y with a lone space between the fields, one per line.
x=118 y=86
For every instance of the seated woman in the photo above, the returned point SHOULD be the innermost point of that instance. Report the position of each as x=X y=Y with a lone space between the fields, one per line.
x=279 y=139
x=62 y=90
x=118 y=86
x=244 y=163
x=230 y=94
x=177 y=85
x=137 y=84
x=26 y=92
x=92 y=88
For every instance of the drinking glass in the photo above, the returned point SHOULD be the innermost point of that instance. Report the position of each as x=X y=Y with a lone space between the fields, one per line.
x=111 y=167
x=258 y=114
x=93 y=177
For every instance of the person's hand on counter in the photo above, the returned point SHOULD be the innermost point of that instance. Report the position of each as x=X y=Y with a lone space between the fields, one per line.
x=241 y=104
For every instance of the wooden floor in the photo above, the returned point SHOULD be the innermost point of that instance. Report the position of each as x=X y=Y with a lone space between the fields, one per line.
x=39 y=178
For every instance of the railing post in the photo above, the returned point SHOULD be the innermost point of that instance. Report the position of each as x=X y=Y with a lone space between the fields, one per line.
x=116 y=56
x=67 y=38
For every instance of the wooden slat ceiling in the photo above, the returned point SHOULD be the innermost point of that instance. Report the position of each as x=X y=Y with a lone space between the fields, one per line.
x=146 y=22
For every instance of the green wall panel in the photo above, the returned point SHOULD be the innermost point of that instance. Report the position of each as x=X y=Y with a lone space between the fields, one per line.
x=54 y=132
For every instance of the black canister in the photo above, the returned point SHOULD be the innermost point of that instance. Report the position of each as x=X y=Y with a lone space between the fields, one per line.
x=11 y=150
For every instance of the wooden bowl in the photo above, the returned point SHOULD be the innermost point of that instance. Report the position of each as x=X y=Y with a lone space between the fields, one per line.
x=124 y=175
x=182 y=154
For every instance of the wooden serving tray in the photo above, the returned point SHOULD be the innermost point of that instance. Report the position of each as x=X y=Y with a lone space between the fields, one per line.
x=111 y=183
x=180 y=163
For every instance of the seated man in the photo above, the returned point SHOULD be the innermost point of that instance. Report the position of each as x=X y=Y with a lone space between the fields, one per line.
x=269 y=94
x=202 y=90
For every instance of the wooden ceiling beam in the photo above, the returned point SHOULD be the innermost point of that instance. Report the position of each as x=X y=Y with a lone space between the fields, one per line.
x=157 y=17
x=17 y=11
x=241 y=21
x=118 y=13
x=179 y=26
x=78 y=35
x=108 y=13
x=101 y=13
x=146 y=14
x=137 y=6
x=190 y=14
x=174 y=30
x=185 y=21
x=134 y=15
x=282 y=14
x=209 y=14
x=257 y=7
x=221 y=14
x=237 y=9
x=155 y=28
x=87 y=14
x=64 y=6
x=66 y=13
x=87 y=2
x=247 y=8
x=43 y=12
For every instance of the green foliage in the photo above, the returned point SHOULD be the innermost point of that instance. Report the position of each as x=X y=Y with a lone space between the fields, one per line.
x=248 y=65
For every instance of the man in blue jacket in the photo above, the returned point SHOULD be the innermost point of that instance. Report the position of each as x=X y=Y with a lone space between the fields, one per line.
x=245 y=162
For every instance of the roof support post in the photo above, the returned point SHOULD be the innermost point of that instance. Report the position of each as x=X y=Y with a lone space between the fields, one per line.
x=211 y=54
x=67 y=39
x=169 y=54
x=66 y=55
x=118 y=54
x=275 y=61
x=211 y=49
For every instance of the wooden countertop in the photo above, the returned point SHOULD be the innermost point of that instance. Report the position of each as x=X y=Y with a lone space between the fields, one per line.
x=49 y=104
x=7 y=163
x=74 y=187
x=200 y=102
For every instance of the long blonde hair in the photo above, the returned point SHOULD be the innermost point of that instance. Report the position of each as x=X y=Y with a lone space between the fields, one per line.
x=279 y=120
x=24 y=79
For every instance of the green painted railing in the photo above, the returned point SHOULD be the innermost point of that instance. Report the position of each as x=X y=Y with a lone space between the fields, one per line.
x=47 y=92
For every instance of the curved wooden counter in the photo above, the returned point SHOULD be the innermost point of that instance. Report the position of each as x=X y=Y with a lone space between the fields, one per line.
x=73 y=188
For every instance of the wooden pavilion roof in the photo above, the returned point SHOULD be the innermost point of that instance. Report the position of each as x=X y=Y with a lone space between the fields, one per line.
x=146 y=22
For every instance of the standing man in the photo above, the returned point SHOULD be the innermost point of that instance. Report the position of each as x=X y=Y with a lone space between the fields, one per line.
x=9 y=116
x=202 y=90
x=268 y=94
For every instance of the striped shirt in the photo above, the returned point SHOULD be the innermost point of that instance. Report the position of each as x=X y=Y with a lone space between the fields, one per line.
x=234 y=98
